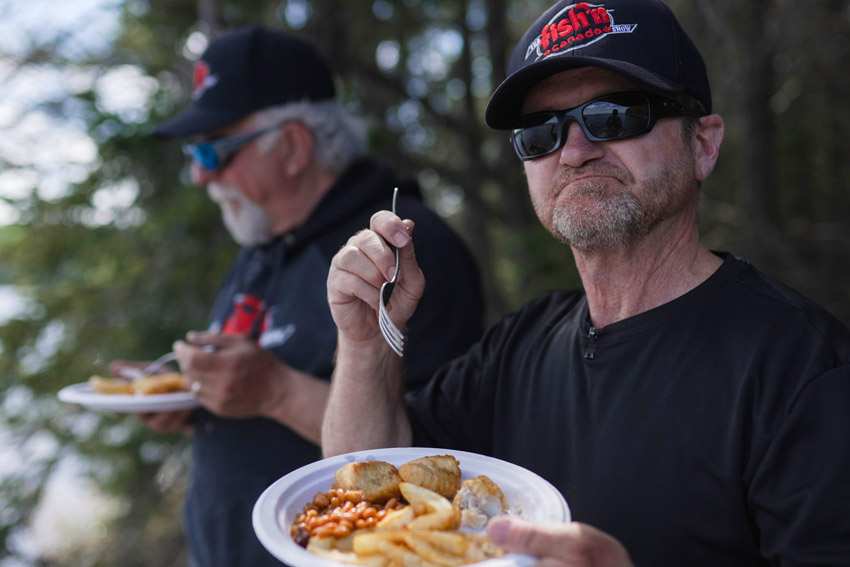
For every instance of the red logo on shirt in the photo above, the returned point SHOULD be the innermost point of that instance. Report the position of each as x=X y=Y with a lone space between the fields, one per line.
x=248 y=317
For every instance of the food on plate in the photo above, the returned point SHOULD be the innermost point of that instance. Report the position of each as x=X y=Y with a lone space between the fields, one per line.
x=337 y=513
x=478 y=500
x=440 y=474
x=160 y=384
x=414 y=527
x=153 y=384
x=103 y=385
x=420 y=548
x=377 y=480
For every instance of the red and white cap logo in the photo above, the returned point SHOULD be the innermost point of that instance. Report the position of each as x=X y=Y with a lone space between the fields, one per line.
x=202 y=79
x=574 y=27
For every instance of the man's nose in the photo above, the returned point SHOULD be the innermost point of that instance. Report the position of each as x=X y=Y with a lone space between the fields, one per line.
x=577 y=149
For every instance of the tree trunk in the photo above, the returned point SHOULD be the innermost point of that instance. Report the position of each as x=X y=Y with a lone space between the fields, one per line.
x=758 y=191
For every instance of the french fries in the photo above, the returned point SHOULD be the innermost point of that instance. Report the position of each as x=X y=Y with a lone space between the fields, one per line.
x=397 y=518
x=413 y=494
x=323 y=550
x=441 y=514
x=420 y=548
x=369 y=543
x=399 y=554
x=435 y=555
x=442 y=520
x=406 y=539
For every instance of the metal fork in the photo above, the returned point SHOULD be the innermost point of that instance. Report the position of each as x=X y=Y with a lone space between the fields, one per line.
x=136 y=373
x=394 y=337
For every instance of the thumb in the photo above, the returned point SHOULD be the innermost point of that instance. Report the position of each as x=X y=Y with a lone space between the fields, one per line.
x=411 y=274
x=572 y=543
x=516 y=534
x=206 y=338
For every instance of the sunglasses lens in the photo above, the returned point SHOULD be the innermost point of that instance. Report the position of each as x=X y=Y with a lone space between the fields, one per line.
x=205 y=156
x=618 y=116
x=537 y=137
x=611 y=117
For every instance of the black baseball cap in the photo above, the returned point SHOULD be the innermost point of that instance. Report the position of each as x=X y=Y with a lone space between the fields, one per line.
x=639 y=39
x=246 y=70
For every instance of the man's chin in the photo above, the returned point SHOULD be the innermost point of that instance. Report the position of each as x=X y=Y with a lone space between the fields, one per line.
x=248 y=238
x=247 y=242
x=586 y=234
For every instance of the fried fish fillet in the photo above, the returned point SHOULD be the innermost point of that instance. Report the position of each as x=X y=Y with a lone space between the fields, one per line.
x=377 y=480
x=478 y=500
x=440 y=473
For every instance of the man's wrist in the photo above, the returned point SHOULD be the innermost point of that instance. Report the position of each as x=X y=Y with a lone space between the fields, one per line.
x=356 y=356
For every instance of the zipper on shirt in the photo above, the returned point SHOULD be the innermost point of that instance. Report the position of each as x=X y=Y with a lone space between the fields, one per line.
x=592 y=334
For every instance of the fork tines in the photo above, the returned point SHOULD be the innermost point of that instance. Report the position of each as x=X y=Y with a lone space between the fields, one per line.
x=392 y=334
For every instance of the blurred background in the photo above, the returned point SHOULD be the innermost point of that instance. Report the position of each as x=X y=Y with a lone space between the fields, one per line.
x=107 y=252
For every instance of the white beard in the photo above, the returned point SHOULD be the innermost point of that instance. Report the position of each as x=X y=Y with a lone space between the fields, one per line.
x=246 y=221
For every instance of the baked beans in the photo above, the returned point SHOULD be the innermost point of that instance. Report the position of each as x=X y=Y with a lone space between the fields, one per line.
x=337 y=513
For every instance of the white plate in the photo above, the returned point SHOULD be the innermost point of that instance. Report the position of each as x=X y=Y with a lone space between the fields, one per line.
x=84 y=395
x=527 y=495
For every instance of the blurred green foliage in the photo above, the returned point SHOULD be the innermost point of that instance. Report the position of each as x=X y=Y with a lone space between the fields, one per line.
x=126 y=283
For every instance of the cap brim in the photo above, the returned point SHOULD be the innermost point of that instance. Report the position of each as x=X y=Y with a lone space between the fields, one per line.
x=195 y=120
x=505 y=106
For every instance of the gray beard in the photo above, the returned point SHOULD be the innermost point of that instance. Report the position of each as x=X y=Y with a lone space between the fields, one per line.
x=614 y=223
x=596 y=221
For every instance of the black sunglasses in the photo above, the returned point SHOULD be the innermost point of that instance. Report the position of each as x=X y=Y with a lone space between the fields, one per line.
x=614 y=116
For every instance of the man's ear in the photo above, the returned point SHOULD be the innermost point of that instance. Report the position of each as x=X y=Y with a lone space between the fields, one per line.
x=708 y=136
x=296 y=147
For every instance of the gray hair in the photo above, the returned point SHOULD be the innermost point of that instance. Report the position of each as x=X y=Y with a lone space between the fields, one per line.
x=338 y=137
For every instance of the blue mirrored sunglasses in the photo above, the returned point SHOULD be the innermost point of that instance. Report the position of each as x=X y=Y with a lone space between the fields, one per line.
x=215 y=154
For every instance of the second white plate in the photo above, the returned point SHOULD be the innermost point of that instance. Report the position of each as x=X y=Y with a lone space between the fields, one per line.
x=84 y=395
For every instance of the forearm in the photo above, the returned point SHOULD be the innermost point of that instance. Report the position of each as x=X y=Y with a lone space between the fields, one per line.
x=302 y=405
x=365 y=408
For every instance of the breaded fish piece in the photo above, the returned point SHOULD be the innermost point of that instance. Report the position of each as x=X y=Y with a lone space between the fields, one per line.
x=440 y=473
x=153 y=384
x=478 y=500
x=103 y=385
x=377 y=480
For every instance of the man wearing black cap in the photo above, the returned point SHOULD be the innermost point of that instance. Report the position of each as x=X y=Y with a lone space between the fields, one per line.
x=285 y=163
x=692 y=411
